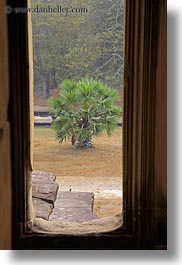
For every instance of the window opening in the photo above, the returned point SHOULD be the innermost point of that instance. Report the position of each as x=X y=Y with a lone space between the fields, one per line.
x=78 y=55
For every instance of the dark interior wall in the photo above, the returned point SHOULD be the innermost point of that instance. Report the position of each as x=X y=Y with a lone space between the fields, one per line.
x=161 y=130
x=161 y=110
x=5 y=173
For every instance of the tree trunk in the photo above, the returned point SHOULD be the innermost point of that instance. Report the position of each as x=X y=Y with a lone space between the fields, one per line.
x=45 y=75
x=46 y=85
x=53 y=80
x=87 y=143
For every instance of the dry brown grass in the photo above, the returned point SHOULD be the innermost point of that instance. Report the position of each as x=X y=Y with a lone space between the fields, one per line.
x=98 y=170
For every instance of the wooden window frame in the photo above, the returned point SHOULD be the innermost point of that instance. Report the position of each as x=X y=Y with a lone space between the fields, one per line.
x=142 y=26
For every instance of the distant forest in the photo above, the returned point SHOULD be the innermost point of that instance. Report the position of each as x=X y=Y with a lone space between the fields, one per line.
x=77 y=45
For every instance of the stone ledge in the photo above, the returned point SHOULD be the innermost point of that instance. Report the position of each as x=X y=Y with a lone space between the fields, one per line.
x=96 y=226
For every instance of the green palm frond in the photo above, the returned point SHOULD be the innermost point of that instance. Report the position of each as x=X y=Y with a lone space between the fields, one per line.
x=84 y=109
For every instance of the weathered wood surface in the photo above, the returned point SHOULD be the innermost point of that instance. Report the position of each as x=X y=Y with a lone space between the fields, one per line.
x=76 y=207
x=44 y=193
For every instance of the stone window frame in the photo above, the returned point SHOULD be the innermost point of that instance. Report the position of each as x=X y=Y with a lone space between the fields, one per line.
x=142 y=25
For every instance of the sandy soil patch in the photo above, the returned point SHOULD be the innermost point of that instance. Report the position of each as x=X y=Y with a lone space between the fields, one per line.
x=97 y=170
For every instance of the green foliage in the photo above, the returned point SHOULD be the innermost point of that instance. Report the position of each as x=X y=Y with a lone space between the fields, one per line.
x=84 y=109
x=79 y=45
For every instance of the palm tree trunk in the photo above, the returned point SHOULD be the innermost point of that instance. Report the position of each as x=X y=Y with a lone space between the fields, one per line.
x=87 y=143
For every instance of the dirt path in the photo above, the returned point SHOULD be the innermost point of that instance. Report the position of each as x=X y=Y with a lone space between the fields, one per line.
x=97 y=170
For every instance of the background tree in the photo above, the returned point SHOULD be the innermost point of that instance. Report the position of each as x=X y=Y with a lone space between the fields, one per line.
x=53 y=34
x=100 y=44
x=78 y=45
x=84 y=109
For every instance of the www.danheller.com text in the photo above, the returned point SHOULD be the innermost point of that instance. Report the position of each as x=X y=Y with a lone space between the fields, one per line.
x=48 y=9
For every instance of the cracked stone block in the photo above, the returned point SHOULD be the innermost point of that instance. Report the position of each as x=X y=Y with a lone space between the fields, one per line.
x=42 y=209
x=45 y=191
x=76 y=207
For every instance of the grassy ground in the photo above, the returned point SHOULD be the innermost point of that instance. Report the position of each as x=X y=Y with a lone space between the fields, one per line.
x=98 y=170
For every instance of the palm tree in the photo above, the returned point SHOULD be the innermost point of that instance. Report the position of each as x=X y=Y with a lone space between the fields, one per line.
x=84 y=109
